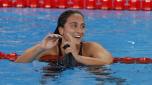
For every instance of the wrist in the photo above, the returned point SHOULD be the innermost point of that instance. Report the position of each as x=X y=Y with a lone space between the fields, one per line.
x=75 y=55
x=40 y=48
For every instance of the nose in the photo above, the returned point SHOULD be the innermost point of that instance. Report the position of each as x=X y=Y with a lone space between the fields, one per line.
x=79 y=30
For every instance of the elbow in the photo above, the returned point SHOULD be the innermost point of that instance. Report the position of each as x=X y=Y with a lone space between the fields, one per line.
x=108 y=61
x=20 y=60
x=17 y=60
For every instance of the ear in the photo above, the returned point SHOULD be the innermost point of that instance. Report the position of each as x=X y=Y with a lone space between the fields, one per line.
x=61 y=30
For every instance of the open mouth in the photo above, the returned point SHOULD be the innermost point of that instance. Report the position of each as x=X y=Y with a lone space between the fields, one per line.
x=78 y=36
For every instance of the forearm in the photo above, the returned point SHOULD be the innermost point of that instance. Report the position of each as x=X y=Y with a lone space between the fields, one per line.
x=91 y=60
x=30 y=54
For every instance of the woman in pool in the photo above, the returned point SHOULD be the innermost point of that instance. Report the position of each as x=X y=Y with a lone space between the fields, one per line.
x=67 y=39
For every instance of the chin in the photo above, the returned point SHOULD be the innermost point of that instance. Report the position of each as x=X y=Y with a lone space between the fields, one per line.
x=78 y=41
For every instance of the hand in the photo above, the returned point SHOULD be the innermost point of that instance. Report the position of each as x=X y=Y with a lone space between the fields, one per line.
x=50 y=41
x=72 y=45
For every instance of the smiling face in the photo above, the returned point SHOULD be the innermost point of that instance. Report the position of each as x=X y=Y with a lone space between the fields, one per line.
x=75 y=27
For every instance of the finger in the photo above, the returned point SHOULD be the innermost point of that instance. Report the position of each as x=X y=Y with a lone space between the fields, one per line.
x=53 y=39
x=68 y=50
x=53 y=36
x=46 y=36
x=66 y=46
x=56 y=35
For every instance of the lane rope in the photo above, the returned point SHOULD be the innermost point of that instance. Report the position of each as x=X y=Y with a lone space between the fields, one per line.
x=82 y=4
x=127 y=60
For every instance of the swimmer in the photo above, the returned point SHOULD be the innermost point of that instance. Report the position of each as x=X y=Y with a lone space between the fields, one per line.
x=66 y=39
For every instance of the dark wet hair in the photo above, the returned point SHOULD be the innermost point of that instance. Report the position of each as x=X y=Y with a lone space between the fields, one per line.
x=63 y=19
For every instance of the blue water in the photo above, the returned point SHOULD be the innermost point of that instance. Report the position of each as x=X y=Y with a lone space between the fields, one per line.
x=123 y=33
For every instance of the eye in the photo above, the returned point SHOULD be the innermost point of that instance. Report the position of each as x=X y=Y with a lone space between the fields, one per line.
x=83 y=26
x=74 y=25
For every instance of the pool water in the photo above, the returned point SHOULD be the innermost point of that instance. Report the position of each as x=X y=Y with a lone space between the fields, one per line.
x=123 y=33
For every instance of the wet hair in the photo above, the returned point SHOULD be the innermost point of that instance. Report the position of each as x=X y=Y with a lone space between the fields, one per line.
x=63 y=19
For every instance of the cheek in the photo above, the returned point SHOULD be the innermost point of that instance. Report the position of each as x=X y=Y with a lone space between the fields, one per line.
x=82 y=35
x=83 y=32
x=68 y=30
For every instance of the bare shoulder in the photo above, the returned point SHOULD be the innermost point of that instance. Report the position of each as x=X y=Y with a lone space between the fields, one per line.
x=98 y=51
x=92 y=45
x=90 y=48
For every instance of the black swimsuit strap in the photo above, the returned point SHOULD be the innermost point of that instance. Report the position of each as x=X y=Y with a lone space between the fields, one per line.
x=60 y=52
x=59 y=61
x=80 y=51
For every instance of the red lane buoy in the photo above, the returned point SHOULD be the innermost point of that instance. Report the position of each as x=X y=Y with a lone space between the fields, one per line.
x=2 y=55
x=6 y=3
x=48 y=3
x=106 y=4
x=127 y=60
x=90 y=4
x=134 y=4
x=12 y=56
x=119 y=4
x=54 y=3
x=33 y=3
x=77 y=4
x=20 y=3
x=0 y=3
x=146 y=5
x=143 y=60
x=116 y=60
x=62 y=4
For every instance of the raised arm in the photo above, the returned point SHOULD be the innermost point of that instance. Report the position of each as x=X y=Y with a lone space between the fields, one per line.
x=30 y=54
x=33 y=53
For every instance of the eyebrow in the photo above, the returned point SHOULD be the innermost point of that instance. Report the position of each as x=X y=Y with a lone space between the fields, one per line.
x=75 y=23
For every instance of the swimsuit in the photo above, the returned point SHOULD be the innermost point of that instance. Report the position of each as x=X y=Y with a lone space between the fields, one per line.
x=59 y=59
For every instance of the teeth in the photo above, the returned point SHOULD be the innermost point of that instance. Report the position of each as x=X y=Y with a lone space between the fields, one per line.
x=77 y=36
